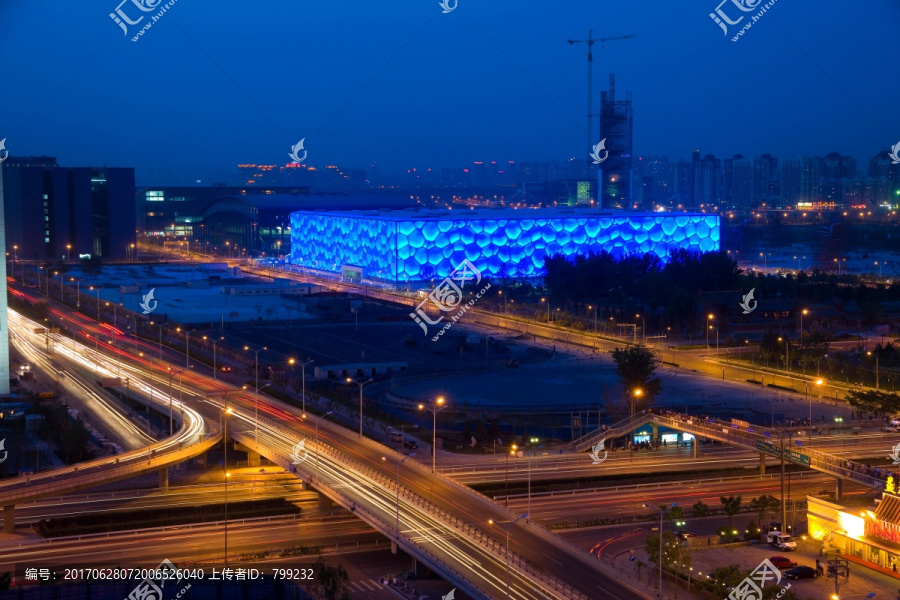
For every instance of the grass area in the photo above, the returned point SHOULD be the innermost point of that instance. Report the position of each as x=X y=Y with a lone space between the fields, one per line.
x=162 y=517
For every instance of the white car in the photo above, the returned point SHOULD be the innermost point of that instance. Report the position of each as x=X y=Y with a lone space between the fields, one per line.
x=891 y=428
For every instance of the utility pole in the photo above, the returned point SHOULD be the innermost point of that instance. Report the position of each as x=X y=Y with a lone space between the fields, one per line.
x=590 y=92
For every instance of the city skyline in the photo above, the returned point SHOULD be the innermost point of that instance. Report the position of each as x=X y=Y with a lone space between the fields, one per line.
x=440 y=87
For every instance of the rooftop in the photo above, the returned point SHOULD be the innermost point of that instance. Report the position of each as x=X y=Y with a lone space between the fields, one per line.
x=497 y=213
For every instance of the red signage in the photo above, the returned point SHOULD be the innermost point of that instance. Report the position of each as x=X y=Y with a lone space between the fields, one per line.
x=875 y=528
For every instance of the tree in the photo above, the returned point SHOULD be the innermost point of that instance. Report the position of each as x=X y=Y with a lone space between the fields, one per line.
x=764 y=505
x=333 y=581
x=673 y=552
x=635 y=367
x=874 y=401
x=700 y=509
x=731 y=505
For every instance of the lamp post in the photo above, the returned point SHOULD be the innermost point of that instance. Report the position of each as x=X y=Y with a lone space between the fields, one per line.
x=548 y=308
x=500 y=292
x=643 y=326
x=802 y=314
x=595 y=316
x=512 y=452
x=662 y=512
x=187 y=347
x=787 y=349
x=172 y=372
x=228 y=411
x=870 y=353
x=256 y=358
x=257 y=410
x=634 y=396
x=709 y=318
x=215 y=368
x=317 y=442
x=399 y=462
x=303 y=366
x=98 y=303
x=68 y=248
x=361 y=385
x=507 y=528
x=435 y=408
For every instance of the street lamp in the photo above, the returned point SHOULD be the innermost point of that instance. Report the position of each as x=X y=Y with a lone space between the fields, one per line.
x=787 y=349
x=595 y=316
x=643 y=325
x=187 y=347
x=709 y=318
x=548 y=308
x=214 y=342
x=172 y=372
x=876 y=368
x=500 y=292
x=68 y=247
x=507 y=528
x=361 y=385
x=257 y=409
x=635 y=394
x=228 y=411
x=802 y=313
x=435 y=408
x=512 y=452
x=256 y=355
x=399 y=462
x=303 y=366
x=662 y=512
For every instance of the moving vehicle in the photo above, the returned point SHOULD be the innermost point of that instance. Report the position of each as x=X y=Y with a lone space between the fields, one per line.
x=891 y=428
x=801 y=572
x=782 y=541
x=782 y=562
x=412 y=444
x=681 y=534
x=46 y=395
x=225 y=369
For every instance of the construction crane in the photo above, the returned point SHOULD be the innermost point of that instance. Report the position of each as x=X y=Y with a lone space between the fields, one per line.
x=590 y=94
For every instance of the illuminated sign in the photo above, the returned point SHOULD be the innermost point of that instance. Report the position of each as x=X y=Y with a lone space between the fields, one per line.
x=880 y=530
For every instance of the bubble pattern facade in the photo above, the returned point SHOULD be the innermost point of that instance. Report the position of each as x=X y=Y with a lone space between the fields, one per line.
x=418 y=247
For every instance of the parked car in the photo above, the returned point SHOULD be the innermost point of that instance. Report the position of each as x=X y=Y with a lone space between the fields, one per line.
x=412 y=444
x=782 y=541
x=396 y=436
x=801 y=572
x=782 y=562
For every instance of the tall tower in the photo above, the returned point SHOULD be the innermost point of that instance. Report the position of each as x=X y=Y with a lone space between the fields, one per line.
x=616 y=124
x=4 y=320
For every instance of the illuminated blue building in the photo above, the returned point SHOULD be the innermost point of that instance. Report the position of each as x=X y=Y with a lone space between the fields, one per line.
x=417 y=245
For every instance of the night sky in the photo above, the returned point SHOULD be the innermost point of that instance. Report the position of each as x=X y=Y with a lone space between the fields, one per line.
x=213 y=84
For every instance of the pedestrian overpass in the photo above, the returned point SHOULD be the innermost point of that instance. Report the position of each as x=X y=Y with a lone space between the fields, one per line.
x=765 y=440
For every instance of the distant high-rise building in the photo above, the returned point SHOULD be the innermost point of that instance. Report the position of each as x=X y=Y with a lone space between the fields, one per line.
x=708 y=182
x=835 y=166
x=738 y=179
x=616 y=125
x=800 y=180
x=52 y=211
x=765 y=172
x=881 y=167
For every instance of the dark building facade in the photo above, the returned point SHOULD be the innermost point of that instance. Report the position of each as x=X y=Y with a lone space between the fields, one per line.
x=55 y=212
x=616 y=126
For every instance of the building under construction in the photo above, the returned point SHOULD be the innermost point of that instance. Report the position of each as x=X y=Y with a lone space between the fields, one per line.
x=616 y=124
